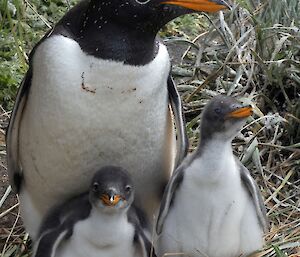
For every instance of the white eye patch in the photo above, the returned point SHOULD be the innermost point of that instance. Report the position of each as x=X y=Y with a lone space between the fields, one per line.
x=143 y=2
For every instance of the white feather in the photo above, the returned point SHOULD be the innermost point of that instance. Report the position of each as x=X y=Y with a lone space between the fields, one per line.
x=83 y=113
x=100 y=235
x=29 y=211
x=212 y=214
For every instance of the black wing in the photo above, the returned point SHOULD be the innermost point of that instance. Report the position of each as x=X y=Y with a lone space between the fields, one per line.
x=59 y=223
x=141 y=226
x=67 y=213
x=145 y=244
x=50 y=240
x=168 y=197
x=256 y=196
x=14 y=165
x=176 y=106
x=12 y=134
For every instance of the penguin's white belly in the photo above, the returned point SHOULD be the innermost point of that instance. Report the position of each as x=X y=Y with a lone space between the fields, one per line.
x=83 y=113
x=215 y=220
x=100 y=238
x=82 y=250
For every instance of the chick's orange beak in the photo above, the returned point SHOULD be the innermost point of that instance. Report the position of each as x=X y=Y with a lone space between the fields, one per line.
x=110 y=200
x=241 y=112
x=199 y=5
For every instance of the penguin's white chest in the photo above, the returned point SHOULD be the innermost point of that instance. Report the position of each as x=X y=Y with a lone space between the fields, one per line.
x=212 y=215
x=96 y=237
x=83 y=113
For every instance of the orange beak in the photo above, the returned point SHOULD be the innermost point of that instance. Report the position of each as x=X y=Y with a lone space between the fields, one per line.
x=110 y=201
x=241 y=112
x=199 y=5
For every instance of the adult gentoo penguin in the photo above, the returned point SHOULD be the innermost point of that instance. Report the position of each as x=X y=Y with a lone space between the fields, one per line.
x=212 y=206
x=97 y=92
x=100 y=223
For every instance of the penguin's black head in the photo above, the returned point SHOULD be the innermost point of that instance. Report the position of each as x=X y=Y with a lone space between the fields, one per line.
x=223 y=117
x=111 y=189
x=151 y=15
x=125 y=30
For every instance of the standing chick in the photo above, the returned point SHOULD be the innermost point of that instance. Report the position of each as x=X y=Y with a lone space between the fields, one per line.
x=212 y=206
x=101 y=223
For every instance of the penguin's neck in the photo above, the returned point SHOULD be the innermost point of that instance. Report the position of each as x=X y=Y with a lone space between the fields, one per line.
x=109 y=218
x=213 y=160
x=105 y=229
x=215 y=151
x=103 y=36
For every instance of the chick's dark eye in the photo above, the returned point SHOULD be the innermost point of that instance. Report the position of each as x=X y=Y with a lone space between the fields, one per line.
x=95 y=187
x=128 y=189
x=217 y=110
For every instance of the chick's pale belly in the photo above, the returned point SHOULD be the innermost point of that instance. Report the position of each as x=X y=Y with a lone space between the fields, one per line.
x=92 y=114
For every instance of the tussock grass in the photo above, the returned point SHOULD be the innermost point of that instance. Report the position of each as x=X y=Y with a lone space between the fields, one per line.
x=251 y=52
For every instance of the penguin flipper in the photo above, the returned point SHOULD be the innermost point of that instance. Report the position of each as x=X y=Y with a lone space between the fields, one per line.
x=50 y=240
x=14 y=167
x=12 y=134
x=146 y=246
x=168 y=197
x=256 y=196
x=67 y=214
x=176 y=105
x=59 y=223
x=138 y=219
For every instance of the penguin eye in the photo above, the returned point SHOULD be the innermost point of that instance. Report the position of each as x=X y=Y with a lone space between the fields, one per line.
x=95 y=187
x=128 y=189
x=218 y=110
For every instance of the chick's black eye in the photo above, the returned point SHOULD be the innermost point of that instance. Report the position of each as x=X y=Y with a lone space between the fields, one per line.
x=128 y=189
x=217 y=110
x=95 y=187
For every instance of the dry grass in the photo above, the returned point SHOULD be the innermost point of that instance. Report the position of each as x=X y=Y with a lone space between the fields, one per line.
x=248 y=56
x=252 y=53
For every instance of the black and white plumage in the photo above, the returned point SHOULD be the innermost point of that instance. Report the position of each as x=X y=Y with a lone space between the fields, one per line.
x=97 y=92
x=212 y=206
x=100 y=223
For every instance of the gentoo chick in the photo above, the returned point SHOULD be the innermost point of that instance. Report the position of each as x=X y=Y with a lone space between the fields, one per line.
x=100 y=223
x=212 y=206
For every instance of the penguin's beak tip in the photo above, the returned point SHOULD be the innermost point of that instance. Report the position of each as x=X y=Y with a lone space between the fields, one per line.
x=242 y=112
x=110 y=200
x=200 y=5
